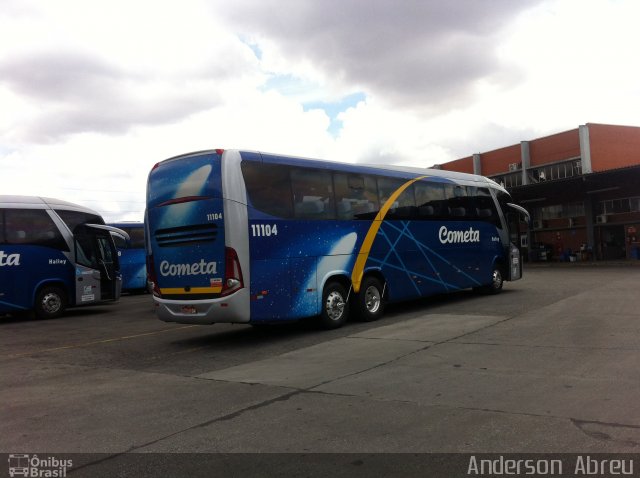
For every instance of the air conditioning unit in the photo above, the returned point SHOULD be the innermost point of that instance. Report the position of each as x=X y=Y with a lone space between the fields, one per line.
x=514 y=166
x=601 y=219
x=538 y=224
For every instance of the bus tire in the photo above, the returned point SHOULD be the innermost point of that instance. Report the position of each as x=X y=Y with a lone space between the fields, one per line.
x=335 y=307
x=51 y=302
x=497 y=281
x=369 y=302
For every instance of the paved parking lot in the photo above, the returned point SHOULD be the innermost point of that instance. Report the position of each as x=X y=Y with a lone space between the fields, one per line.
x=550 y=365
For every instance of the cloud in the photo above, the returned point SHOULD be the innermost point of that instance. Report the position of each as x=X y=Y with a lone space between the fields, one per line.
x=79 y=93
x=410 y=53
x=93 y=94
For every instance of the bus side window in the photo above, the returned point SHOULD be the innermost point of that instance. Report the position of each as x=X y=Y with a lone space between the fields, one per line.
x=312 y=194
x=430 y=200
x=486 y=207
x=32 y=227
x=470 y=202
x=403 y=207
x=356 y=196
x=268 y=188
x=3 y=240
x=457 y=201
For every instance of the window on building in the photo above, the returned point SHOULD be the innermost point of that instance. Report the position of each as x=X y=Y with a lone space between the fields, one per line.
x=618 y=206
x=510 y=180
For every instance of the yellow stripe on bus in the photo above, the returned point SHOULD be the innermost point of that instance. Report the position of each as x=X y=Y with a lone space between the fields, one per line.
x=365 y=249
x=192 y=290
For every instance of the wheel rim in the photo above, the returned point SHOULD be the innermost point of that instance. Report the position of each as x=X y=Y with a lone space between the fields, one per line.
x=51 y=303
x=497 y=279
x=372 y=299
x=334 y=305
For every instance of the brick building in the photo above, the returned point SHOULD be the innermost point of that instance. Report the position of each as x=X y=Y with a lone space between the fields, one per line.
x=582 y=188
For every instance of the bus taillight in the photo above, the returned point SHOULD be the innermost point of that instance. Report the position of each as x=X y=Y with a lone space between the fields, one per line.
x=152 y=278
x=232 y=273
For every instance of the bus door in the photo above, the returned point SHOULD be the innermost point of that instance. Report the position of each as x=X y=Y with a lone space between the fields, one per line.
x=513 y=213
x=97 y=267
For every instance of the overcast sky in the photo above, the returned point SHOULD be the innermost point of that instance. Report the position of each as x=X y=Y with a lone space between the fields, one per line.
x=94 y=93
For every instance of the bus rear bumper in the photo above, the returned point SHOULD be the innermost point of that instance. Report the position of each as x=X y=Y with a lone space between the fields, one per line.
x=232 y=309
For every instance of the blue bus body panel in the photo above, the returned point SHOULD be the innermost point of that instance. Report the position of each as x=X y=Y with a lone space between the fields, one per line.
x=23 y=268
x=187 y=233
x=133 y=269
x=289 y=270
x=132 y=258
x=415 y=261
x=289 y=265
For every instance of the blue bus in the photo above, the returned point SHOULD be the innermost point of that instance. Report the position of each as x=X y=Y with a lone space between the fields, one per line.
x=54 y=255
x=249 y=237
x=132 y=256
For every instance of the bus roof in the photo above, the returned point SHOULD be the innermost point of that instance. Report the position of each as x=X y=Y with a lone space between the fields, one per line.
x=38 y=202
x=352 y=167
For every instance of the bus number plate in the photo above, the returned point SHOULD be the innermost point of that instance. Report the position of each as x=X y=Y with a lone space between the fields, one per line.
x=188 y=309
x=264 y=230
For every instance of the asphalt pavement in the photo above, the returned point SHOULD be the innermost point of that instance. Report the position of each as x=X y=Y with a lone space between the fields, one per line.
x=550 y=365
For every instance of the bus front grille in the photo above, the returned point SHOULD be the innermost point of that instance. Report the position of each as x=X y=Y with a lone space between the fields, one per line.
x=186 y=235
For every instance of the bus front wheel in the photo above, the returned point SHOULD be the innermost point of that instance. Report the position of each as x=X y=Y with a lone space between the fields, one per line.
x=497 y=281
x=335 y=308
x=51 y=302
x=370 y=301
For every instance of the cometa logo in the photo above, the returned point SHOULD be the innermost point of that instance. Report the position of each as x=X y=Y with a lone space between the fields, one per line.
x=9 y=259
x=197 y=268
x=451 y=237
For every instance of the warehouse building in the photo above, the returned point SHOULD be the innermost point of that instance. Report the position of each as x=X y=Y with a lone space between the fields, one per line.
x=582 y=188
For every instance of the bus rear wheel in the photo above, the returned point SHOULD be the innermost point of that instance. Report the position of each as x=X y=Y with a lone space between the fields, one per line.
x=370 y=301
x=335 y=307
x=51 y=302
